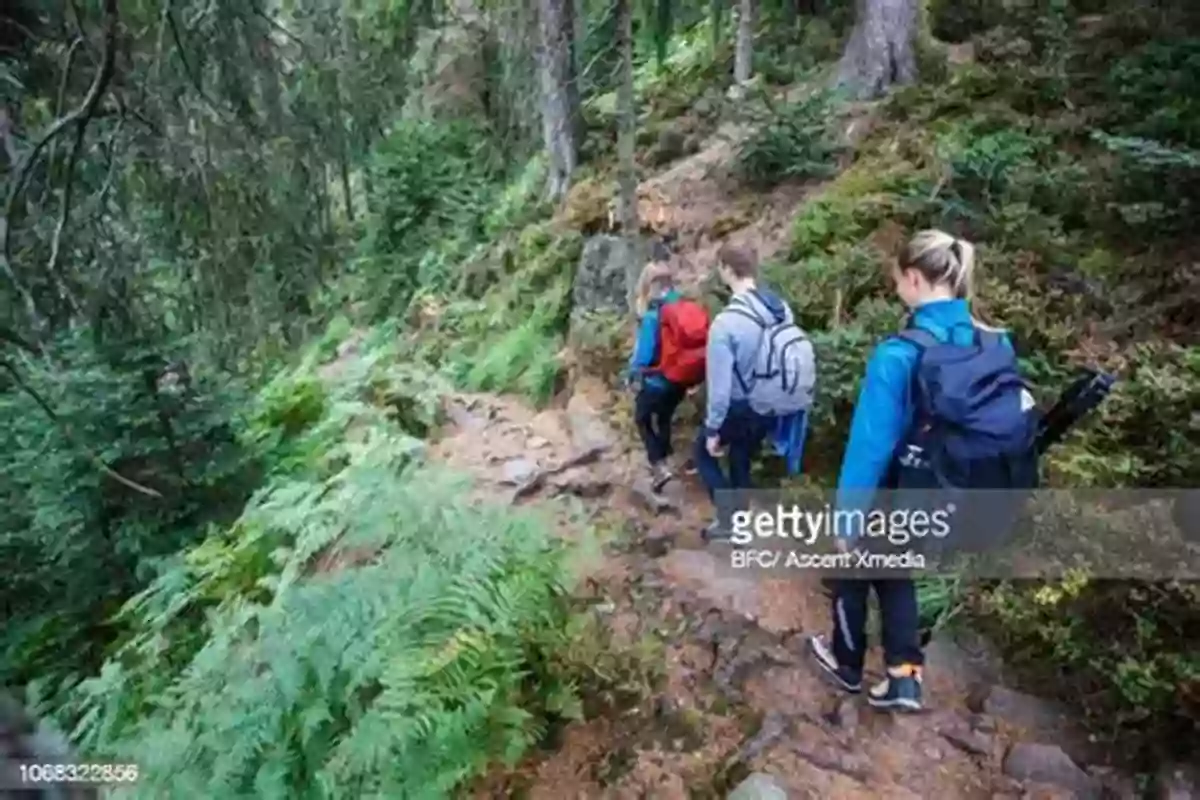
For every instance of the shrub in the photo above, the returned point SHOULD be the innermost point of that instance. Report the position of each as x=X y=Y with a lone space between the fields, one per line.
x=794 y=141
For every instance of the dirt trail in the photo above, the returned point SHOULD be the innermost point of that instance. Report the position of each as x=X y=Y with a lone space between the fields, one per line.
x=698 y=201
x=739 y=694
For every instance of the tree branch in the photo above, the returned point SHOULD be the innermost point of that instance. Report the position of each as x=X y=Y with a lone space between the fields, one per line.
x=86 y=110
x=61 y=101
x=79 y=115
x=66 y=431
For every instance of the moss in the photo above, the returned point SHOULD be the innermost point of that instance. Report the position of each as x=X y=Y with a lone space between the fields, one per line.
x=587 y=205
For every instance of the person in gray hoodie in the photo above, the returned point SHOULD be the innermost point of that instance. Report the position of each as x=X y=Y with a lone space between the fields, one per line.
x=733 y=425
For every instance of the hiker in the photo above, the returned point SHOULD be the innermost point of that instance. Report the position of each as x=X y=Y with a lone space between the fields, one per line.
x=942 y=407
x=760 y=376
x=667 y=360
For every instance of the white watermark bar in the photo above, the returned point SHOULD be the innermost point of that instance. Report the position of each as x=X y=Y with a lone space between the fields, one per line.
x=1131 y=534
x=64 y=776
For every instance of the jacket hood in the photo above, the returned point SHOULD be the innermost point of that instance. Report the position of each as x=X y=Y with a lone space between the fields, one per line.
x=768 y=304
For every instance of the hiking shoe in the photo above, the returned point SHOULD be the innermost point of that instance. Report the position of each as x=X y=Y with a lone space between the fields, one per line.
x=715 y=532
x=660 y=476
x=900 y=690
x=846 y=678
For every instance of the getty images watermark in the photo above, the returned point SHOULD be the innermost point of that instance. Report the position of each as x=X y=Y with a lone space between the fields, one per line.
x=858 y=534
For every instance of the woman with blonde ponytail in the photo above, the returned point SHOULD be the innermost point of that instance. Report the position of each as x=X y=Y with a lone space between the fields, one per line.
x=933 y=276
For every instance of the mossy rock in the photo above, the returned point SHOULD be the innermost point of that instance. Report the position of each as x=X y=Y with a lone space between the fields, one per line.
x=587 y=206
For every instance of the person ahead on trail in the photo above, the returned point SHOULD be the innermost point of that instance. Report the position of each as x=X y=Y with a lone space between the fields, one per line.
x=760 y=378
x=942 y=407
x=667 y=360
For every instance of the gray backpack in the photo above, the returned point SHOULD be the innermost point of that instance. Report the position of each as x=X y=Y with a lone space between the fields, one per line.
x=785 y=368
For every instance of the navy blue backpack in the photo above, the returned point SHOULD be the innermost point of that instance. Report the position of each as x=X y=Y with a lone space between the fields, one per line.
x=972 y=447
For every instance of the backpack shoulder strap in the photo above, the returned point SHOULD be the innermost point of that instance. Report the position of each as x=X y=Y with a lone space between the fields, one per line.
x=988 y=338
x=744 y=309
x=919 y=338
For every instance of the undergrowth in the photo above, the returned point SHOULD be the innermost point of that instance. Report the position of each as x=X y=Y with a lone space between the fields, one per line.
x=362 y=628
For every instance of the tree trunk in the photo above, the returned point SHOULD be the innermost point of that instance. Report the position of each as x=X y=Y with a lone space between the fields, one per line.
x=743 y=55
x=881 y=51
x=627 y=211
x=716 y=13
x=559 y=94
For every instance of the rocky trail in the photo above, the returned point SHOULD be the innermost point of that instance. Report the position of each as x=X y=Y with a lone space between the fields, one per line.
x=741 y=712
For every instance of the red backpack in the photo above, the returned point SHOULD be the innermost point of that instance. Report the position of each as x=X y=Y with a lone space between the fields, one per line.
x=684 y=336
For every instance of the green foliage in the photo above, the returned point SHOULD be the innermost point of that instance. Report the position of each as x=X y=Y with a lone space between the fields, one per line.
x=360 y=629
x=476 y=341
x=431 y=181
x=77 y=541
x=1137 y=674
x=794 y=142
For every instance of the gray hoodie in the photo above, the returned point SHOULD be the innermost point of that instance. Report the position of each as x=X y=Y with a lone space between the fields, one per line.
x=733 y=344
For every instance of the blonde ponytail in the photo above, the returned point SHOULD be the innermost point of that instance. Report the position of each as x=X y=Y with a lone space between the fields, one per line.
x=942 y=259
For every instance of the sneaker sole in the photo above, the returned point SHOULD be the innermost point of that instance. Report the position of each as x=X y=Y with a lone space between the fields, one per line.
x=901 y=704
x=831 y=674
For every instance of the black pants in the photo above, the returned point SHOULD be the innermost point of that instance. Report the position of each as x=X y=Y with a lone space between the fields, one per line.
x=742 y=434
x=653 y=410
x=898 y=604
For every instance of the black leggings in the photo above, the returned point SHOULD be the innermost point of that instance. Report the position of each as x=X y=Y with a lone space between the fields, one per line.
x=653 y=410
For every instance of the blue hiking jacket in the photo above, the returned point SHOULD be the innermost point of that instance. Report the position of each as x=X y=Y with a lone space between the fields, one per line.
x=646 y=346
x=884 y=411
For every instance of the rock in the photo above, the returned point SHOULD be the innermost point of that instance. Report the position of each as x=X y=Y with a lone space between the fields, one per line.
x=658 y=543
x=1047 y=791
x=536 y=443
x=652 y=500
x=774 y=727
x=1019 y=709
x=671 y=145
x=844 y=715
x=970 y=662
x=969 y=741
x=704 y=107
x=1177 y=782
x=1047 y=763
x=581 y=483
x=759 y=786
x=588 y=430
x=982 y=723
x=518 y=471
x=605 y=265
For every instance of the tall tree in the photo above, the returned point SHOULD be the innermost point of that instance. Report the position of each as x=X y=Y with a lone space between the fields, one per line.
x=627 y=211
x=560 y=95
x=881 y=50
x=744 y=53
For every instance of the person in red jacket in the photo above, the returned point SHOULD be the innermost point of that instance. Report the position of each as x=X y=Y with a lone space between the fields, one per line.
x=667 y=360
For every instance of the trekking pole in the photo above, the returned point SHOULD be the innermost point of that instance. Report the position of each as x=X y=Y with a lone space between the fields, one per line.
x=1080 y=398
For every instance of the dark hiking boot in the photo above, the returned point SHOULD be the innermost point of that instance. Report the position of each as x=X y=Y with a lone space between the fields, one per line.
x=716 y=532
x=846 y=678
x=899 y=691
